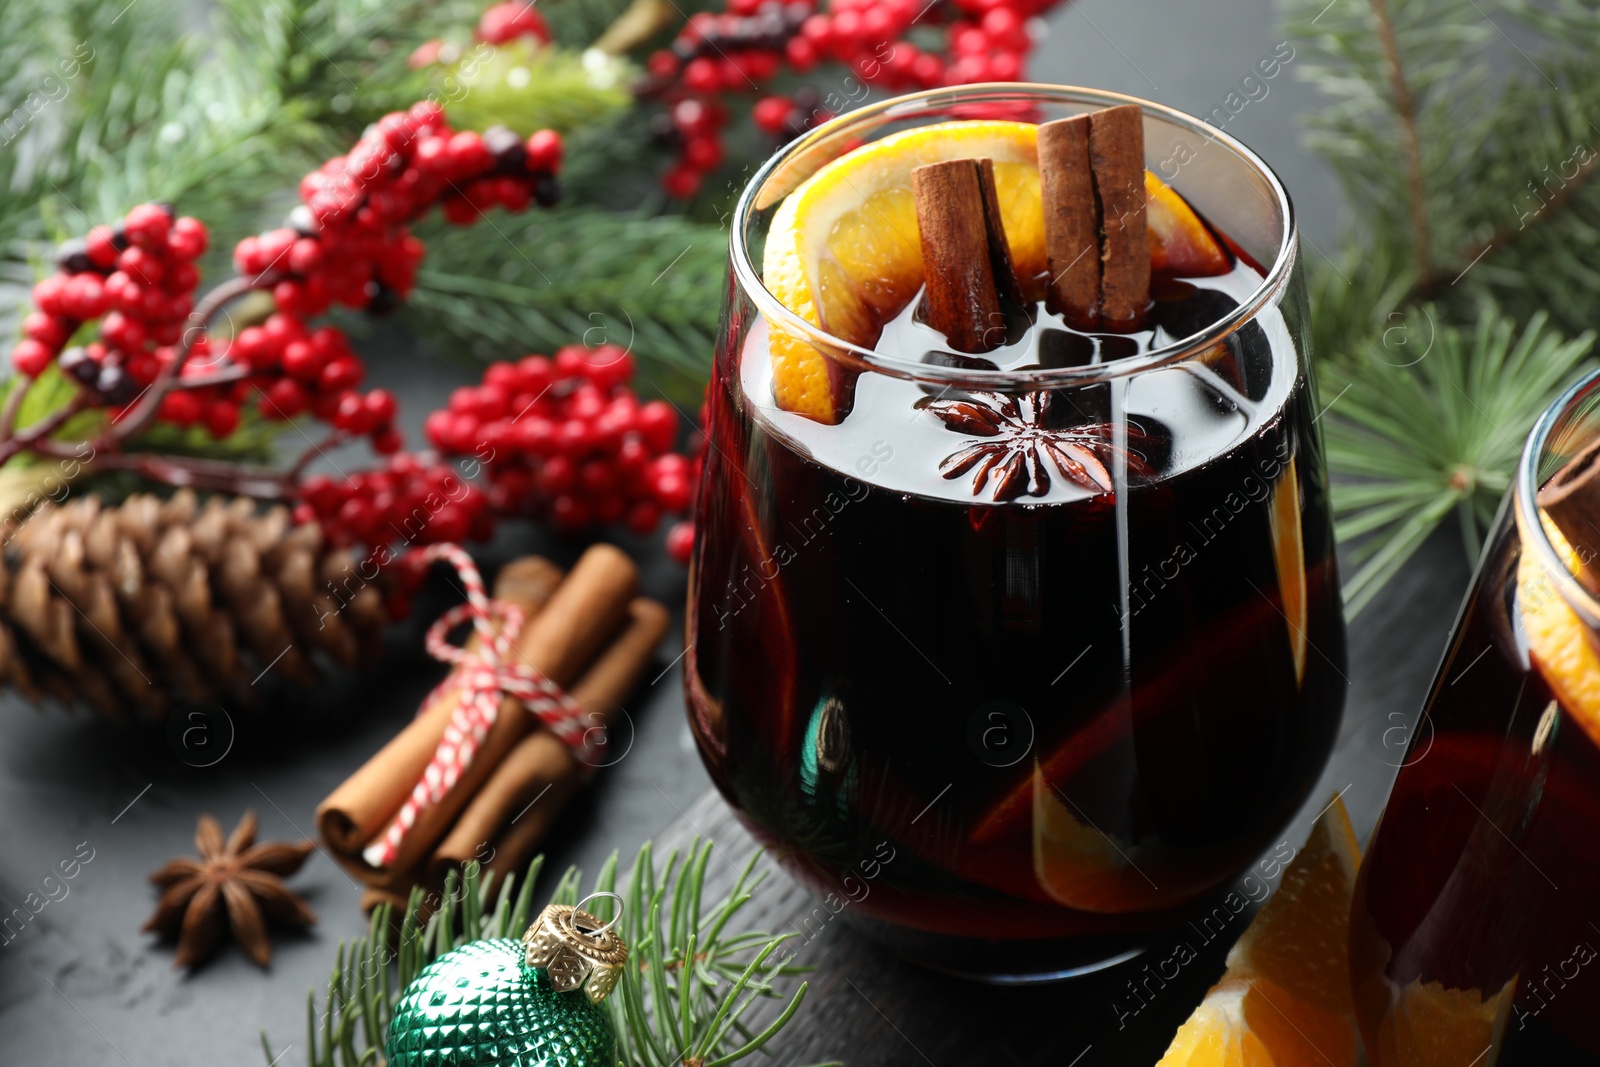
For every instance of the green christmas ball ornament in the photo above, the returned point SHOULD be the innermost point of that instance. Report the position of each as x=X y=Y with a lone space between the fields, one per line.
x=505 y=1003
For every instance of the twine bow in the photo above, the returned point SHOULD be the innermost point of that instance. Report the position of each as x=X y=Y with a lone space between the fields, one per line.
x=483 y=676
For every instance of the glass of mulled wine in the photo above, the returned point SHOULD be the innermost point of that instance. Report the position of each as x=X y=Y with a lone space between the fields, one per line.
x=1473 y=934
x=1018 y=657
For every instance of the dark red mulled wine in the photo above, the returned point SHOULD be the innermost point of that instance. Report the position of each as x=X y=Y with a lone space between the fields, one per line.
x=1016 y=717
x=1475 y=929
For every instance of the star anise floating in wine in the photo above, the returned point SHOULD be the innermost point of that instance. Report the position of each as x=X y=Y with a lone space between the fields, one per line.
x=236 y=883
x=1018 y=438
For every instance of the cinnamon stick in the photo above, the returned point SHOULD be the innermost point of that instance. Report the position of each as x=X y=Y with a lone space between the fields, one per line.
x=1116 y=155
x=1071 y=222
x=582 y=617
x=518 y=804
x=577 y=621
x=524 y=796
x=373 y=898
x=1091 y=178
x=972 y=293
x=360 y=807
x=1572 y=500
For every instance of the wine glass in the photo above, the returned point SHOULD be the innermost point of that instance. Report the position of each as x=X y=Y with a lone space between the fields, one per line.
x=1017 y=736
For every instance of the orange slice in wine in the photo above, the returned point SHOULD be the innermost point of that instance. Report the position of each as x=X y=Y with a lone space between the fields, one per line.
x=1289 y=554
x=844 y=251
x=1079 y=866
x=1180 y=244
x=1558 y=641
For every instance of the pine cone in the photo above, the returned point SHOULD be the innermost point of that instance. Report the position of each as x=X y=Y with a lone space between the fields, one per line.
x=150 y=604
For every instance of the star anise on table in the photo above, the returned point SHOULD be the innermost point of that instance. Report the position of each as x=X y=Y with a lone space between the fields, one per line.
x=1018 y=437
x=236 y=883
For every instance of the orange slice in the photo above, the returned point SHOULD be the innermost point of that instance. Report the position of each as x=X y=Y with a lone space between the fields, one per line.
x=1289 y=554
x=1430 y=1025
x=1558 y=641
x=1300 y=940
x=1252 y=1023
x=1180 y=244
x=1285 y=998
x=844 y=251
x=1081 y=867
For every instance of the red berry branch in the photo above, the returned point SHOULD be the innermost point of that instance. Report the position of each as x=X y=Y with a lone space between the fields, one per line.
x=563 y=440
x=348 y=243
x=510 y=19
x=566 y=440
x=747 y=46
x=578 y=448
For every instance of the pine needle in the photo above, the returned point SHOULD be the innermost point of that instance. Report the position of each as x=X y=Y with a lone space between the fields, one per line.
x=681 y=993
x=1477 y=223
x=1432 y=427
x=579 y=275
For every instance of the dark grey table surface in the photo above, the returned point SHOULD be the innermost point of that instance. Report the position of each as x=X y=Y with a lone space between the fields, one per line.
x=79 y=985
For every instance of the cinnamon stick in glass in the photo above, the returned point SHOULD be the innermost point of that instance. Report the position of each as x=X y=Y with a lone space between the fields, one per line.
x=1096 y=234
x=971 y=295
x=1116 y=156
x=1071 y=222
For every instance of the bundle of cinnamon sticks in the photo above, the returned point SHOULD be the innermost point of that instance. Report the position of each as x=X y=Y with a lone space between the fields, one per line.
x=589 y=632
x=1091 y=176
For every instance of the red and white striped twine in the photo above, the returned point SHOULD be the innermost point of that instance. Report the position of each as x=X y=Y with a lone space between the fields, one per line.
x=484 y=676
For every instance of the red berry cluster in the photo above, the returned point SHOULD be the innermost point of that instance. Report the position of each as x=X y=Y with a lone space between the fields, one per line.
x=563 y=439
x=692 y=129
x=746 y=46
x=348 y=243
x=511 y=19
x=295 y=369
x=139 y=278
x=567 y=440
x=411 y=500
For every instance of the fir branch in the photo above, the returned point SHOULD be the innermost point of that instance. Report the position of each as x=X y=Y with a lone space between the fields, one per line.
x=1569 y=190
x=1536 y=198
x=1572 y=25
x=1358 y=297
x=615 y=165
x=339 y=63
x=651 y=284
x=1476 y=211
x=687 y=983
x=1433 y=426
x=1479 y=171
x=1405 y=107
x=30 y=87
x=1407 y=85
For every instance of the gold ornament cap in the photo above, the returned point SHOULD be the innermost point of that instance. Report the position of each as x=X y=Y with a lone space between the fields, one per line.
x=576 y=949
